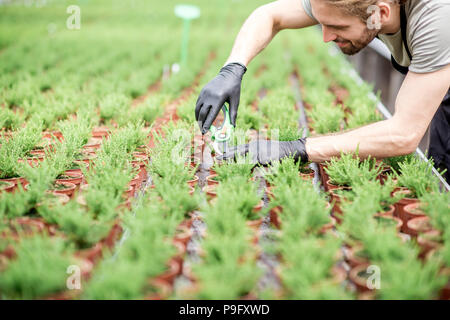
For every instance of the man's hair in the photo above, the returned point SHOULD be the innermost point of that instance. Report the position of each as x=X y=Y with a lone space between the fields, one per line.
x=358 y=8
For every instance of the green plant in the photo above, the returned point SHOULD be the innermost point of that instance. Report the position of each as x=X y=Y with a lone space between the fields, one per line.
x=240 y=168
x=436 y=205
x=326 y=119
x=349 y=170
x=417 y=176
x=78 y=224
x=39 y=269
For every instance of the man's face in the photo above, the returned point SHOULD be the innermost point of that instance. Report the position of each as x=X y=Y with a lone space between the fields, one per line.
x=349 y=32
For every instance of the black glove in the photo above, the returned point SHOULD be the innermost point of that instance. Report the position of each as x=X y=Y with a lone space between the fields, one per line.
x=267 y=151
x=225 y=87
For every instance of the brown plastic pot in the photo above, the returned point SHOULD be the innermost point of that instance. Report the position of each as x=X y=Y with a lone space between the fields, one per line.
x=69 y=189
x=329 y=226
x=28 y=225
x=16 y=181
x=336 y=199
x=92 y=254
x=172 y=272
x=100 y=132
x=75 y=178
x=352 y=257
x=332 y=186
x=210 y=191
x=274 y=215
x=418 y=225
x=113 y=235
x=389 y=212
x=163 y=290
x=401 y=204
x=356 y=276
x=129 y=193
x=428 y=241
x=53 y=134
x=193 y=182
x=323 y=175
x=80 y=164
x=307 y=175
x=6 y=186
x=270 y=194
x=211 y=179
x=411 y=211
x=183 y=236
x=254 y=224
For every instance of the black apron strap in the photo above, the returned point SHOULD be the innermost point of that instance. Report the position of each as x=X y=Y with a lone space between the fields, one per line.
x=403 y=25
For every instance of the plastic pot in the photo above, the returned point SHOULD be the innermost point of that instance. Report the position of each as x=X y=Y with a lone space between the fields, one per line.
x=75 y=178
x=92 y=254
x=16 y=181
x=400 y=207
x=358 y=276
x=418 y=225
x=163 y=290
x=352 y=257
x=193 y=182
x=6 y=186
x=212 y=180
x=53 y=134
x=172 y=272
x=100 y=132
x=80 y=164
x=67 y=188
x=428 y=241
x=210 y=191
x=336 y=200
x=113 y=235
x=308 y=174
x=323 y=175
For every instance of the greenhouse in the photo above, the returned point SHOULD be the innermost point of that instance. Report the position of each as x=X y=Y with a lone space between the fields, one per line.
x=158 y=150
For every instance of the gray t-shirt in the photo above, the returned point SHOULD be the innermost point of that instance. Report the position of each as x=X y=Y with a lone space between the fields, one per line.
x=428 y=33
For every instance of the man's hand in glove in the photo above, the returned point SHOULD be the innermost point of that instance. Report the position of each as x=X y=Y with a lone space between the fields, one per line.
x=225 y=87
x=268 y=151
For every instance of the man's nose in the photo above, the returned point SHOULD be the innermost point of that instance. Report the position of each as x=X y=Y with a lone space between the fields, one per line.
x=327 y=35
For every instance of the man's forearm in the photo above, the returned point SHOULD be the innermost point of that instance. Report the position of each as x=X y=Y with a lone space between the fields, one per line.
x=256 y=33
x=380 y=140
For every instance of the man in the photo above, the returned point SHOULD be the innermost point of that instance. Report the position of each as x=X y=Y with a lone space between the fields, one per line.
x=417 y=32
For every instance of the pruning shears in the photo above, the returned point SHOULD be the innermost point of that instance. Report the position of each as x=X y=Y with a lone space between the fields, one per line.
x=222 y=134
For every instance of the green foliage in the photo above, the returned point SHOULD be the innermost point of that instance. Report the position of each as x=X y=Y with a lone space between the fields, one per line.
x=39 y=269
x=417 y=176
x=350 y=170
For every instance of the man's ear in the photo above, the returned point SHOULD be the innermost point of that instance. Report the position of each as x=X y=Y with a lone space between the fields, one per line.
x=379 y=14
x=385 y=11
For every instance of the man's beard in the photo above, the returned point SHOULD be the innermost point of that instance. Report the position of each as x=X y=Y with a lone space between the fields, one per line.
x=353 y=48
